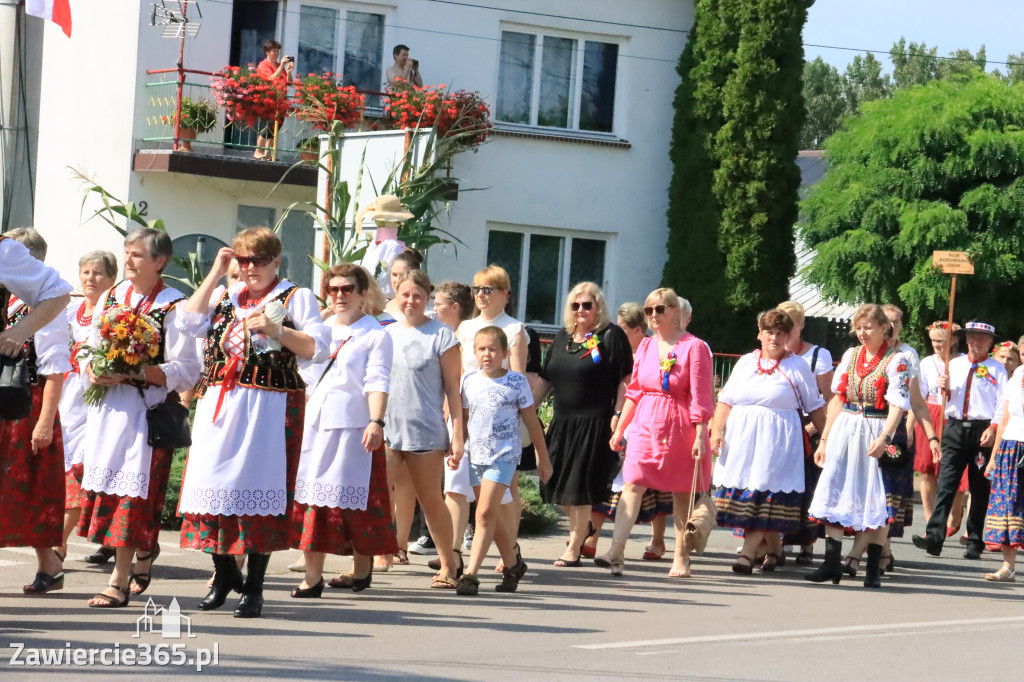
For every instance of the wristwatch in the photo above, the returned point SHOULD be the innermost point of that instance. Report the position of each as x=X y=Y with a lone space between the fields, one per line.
x=378 y=422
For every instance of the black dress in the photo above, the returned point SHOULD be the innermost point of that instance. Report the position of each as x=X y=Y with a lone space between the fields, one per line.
x=584 y=394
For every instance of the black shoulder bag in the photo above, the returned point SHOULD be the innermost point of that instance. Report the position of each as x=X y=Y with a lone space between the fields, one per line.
x=15 y=392
x=168 y=424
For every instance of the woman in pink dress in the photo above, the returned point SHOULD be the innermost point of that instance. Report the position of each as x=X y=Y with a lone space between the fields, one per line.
x=669 y=404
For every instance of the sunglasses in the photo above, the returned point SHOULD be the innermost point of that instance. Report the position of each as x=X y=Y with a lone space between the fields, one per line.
x=257 y=261
x=486 y=291
x=586 y=305
x=655 y=309
x=343 y=289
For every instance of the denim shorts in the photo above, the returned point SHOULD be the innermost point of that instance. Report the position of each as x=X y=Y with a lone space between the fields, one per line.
x=499 y=472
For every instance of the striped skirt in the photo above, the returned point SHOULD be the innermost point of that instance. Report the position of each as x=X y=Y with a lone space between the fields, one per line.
x=759 y=510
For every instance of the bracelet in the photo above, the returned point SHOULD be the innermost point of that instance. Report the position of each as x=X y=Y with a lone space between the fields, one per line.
x=378 y=422
x=934 y=438
x=617 y=413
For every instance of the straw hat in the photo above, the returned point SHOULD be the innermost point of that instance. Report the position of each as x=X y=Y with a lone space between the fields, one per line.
x=385 y=208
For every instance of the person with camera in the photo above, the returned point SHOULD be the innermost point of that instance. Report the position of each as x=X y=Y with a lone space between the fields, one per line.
x=404 y=71
x=272 y=70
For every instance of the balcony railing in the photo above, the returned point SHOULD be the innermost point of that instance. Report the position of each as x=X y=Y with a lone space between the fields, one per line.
x=225 y=138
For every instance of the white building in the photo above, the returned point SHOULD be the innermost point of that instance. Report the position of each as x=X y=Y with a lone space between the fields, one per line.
x=576 y=172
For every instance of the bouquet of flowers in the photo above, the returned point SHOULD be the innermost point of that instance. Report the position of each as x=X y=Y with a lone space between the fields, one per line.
x=128 y=341
x=247 y=97
x=321 y=99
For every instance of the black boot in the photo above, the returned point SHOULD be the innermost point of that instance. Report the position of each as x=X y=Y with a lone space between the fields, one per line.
x=872 y=576
x=226 y=577
x=832 y=566
x=251 y=603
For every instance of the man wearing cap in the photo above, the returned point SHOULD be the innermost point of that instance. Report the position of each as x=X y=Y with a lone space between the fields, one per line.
x=975 y=386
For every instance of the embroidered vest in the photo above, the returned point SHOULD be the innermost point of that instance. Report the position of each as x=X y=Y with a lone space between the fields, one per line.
x=867 y=392
x=272 y=371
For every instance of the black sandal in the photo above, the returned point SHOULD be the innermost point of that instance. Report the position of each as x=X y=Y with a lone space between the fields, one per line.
x=743 y=569
x=142 y=580
x=100 y=556
x=849 y=568
x=44 y=583
x=112 y=602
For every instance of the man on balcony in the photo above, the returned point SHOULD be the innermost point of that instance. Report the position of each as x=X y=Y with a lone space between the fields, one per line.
x=404 y=70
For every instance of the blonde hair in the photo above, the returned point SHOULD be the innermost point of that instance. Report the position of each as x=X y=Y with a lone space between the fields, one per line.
x=794 y=310
x=32 y=240
x=594 y=291
x=417 y=277
x=632 y=316
x=258 y=240
x=493 y=276
x=875 y=313
x=673 y=300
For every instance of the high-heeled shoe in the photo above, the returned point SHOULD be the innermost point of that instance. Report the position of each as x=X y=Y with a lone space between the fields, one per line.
x=360 y=584
x=312 y=592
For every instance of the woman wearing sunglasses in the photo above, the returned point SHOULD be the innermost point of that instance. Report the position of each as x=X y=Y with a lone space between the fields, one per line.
x=342 y=505
x=669 y=404
x=240 y=474
x=586 y=370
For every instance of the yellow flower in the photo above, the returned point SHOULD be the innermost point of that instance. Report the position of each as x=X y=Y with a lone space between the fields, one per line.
x=153 y=350
x=132 y=358
x=111 y=354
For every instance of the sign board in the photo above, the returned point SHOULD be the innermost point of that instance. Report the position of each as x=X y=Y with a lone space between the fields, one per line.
x=953 y=262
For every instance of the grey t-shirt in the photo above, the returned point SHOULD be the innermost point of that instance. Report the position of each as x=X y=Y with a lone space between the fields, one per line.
x=415 y=417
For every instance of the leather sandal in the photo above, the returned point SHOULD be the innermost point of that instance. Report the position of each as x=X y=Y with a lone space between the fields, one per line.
x=142 y=580
x=44 y=583
x=443 y=582
x=112 y=602
x=743 y=569
x=100 y=556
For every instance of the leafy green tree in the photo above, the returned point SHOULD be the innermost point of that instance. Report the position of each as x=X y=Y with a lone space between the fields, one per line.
x=863 y=81
x=1014 y=69
x=939 y=166
x=917 y=64
x=824 y=103
x=733 y=195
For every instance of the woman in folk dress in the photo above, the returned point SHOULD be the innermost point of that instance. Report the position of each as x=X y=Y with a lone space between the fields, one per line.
x=342 y=505
x=31 y=451
x=97 y=272
x=124 y=479
x=240 y=474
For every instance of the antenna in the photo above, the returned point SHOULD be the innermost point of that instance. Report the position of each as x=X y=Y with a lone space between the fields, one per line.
x=175 y=22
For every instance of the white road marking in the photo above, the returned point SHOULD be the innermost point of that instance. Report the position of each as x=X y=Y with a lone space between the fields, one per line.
x=4 y=563
x=802 y=634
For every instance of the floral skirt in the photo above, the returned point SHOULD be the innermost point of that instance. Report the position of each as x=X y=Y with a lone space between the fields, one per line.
x=899 y=497
x=653 y=504
x=119 y=521
x=31 y=488
x=252 y=534
x=369 y=531
x=73 y=487
x=1004 y=522
x=757 y=510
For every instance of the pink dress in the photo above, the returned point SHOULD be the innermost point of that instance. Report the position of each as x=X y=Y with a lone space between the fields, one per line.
x=658 y=454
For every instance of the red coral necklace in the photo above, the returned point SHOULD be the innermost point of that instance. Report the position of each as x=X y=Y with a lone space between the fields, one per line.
x=864 y=367
x=770 y=370
x=243 y=297
x=83 y=321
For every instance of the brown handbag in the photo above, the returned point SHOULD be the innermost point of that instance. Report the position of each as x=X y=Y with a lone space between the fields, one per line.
x=703 y=515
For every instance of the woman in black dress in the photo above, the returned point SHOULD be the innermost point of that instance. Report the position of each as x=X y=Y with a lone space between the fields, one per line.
x=587 y=369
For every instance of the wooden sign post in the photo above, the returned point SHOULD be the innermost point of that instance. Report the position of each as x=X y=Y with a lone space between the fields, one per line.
x=950 y=263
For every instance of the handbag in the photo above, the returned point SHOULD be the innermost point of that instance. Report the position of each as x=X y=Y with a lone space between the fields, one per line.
x=15 y=392
x=896 y=454
x=703 y=516
x=168 y=424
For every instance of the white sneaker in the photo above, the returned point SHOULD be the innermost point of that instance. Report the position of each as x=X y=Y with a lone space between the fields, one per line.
x=423 y=546
x=467 y=539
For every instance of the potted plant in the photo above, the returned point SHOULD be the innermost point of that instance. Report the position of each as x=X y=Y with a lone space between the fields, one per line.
x=197 y=116
x=462 y=116
x=249 y=99
x=309 y=149
x=322 y=100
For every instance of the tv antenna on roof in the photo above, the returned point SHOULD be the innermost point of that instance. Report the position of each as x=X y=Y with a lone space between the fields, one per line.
x=175 y=21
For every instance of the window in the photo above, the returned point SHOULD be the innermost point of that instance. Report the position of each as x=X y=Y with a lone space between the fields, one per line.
x=349 y=43
x=298 y=239
x=556 y=82
x=543 y=267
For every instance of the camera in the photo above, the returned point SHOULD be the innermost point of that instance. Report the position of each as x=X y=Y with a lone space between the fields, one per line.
x=288 y=59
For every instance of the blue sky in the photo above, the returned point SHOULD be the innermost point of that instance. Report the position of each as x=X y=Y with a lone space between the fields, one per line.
x=946 y=24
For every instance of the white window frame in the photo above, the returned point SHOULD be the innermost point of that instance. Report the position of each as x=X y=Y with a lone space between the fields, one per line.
x=581 y=39
x=291 y=32
x=565 y=265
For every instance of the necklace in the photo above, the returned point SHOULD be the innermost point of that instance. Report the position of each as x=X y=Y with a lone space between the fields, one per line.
x=146 y=304
x=83 y=321
x=769 y=370
x=243 y=297
x=579 y=345
x=864 y=367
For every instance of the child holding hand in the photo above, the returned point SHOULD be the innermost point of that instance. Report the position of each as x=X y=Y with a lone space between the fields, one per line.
x=494 y=398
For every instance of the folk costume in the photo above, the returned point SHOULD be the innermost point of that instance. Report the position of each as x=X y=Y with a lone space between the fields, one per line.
x=73 y=411
x=850 y=492
x=1004 y=522
x=124 y=479
x=32 y=483
x=342 y=501
x=760 y=474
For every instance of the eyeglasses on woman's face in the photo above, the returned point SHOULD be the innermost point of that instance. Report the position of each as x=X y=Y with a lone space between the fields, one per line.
x=258 y=260
x=652 y=310
x=346 y=289
x=577 y=305
x=482 y=291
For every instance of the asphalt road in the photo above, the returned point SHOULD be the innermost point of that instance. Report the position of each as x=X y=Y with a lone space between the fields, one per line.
x=934 y=619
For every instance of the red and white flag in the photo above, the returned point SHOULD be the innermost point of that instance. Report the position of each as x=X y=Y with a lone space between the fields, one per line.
x=57 y=11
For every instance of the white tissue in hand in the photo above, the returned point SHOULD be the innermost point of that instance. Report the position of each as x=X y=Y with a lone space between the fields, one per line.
x=276 y=313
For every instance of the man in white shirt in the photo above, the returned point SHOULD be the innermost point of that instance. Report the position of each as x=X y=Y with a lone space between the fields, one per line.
x=975 y=385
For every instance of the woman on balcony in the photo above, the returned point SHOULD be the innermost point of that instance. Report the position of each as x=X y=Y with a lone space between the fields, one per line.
x=124 y=479
x=97 y=272
x=278 y=71
x=240 y=474
x=31 y=453
x=667 y=408
x=587 y=370
x=342 y=505
x=759 y=476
